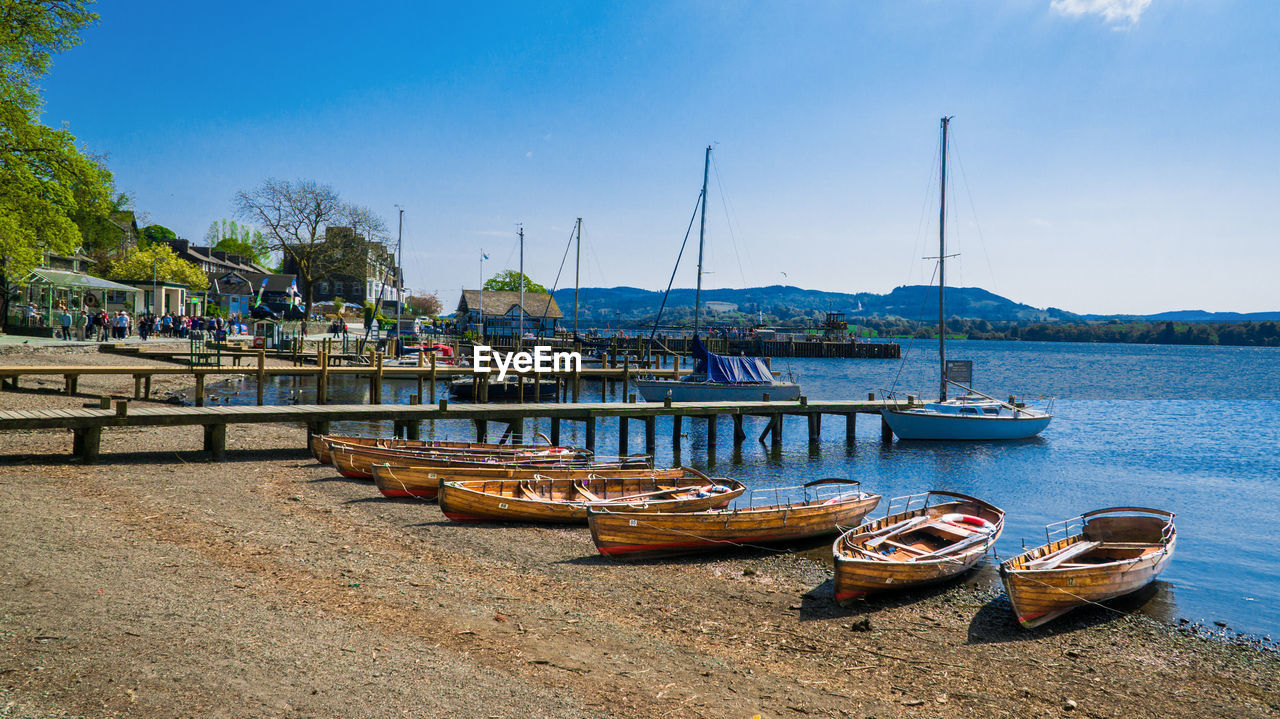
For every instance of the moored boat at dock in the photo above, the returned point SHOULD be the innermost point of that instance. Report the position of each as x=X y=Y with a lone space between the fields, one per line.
x=630 y=534
x=424 y=481
x=922 y=539
x=319 y=445
x=1112 y=552
x=566 y=501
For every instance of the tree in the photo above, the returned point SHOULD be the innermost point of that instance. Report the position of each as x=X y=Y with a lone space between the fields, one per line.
x=156 y=233
x=429 y=305
x=510 y=280
x=294 y=217
x=45 y=179
x=159 y=261
x=229 y=236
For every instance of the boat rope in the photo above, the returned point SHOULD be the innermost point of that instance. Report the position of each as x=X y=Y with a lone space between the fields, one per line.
x=665 y=295
x=556 y=284
x=912 y=339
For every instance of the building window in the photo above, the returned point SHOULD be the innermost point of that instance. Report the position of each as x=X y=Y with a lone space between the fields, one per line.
x=337 y=289
x=323 y=288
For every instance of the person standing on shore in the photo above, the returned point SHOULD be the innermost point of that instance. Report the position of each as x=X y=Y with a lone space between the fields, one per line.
x=64 y=319
x=82 y=321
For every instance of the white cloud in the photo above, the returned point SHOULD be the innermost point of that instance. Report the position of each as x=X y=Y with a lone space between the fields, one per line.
x=1113 y=11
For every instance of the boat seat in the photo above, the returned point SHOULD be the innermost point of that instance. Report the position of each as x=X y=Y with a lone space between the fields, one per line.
x=1062 y=555
x=1128 y=545
x=529 y=493
x=582 y=489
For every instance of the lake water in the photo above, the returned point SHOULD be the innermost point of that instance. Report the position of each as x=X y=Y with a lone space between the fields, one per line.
x=1194 y=430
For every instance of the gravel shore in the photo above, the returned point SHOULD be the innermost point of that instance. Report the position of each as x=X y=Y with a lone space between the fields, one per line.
x=159 y=584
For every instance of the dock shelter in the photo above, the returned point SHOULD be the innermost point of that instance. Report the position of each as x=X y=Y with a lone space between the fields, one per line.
x=36 y=302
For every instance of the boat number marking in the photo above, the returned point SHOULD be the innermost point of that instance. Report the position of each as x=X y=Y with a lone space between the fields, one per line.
x=503 y=505
x=631 y=522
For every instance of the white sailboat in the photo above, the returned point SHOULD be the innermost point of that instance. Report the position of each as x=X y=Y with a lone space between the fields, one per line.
x=716 y=378
x=974 y=416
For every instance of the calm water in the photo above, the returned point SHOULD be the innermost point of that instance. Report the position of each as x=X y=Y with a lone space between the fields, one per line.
x=1195 y=430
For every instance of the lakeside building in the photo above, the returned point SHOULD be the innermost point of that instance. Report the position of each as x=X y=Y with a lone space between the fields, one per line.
x=62 y=282
x=366 y=272
x=235 y=280
x=501 y=311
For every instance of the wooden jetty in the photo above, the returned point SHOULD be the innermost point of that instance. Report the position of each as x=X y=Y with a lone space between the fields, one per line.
x=87 y=424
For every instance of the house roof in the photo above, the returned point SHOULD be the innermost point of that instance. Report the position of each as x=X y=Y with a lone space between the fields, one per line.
x=61 y=278
x=221 y=282
x=501 y=302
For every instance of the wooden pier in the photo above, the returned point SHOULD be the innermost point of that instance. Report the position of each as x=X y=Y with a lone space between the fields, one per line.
x=87 y=424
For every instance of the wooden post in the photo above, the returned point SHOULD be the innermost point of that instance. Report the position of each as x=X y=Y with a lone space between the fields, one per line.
x=262 y=376
x=70 y=383
x=516 y=428
x=555 y=431
x=322 y=385
x=604 y=389
x=378 y=380
x=623 y=435
x=122 y=408
x=886 y=432
x=104 y=402
x=432 y=383
x=199 y=389
x=137 y=386
x=626 y=375
x=711 y=437
x=850 y=428
x=215 y=441
x=577 y=382
x=90 y=444
x=677 y=421
x=590 y=428
x=650 y=435
x=815 y=428
x=738 y=434
x=482 y=430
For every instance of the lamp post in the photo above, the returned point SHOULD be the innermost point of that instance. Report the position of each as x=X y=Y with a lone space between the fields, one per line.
x=154 y=284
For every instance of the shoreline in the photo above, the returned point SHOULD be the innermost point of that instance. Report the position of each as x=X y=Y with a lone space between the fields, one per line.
x=163 y=585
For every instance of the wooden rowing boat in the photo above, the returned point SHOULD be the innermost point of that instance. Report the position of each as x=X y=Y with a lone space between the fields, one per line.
x=636 y=535
x=413 y=481
x=357 y=462
x=929 y=538
x=1114 y=551
x=566 y=501
x=319 y=445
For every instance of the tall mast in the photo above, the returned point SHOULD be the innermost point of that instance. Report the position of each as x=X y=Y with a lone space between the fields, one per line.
x=577 y=265
x=702 y=233
x=942 y=269
x=399 y=278
x=520 y=338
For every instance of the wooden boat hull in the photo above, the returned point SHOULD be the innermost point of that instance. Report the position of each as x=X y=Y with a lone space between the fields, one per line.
x=319 y=445
x=1039 y=596
x=357 y=462
x=501 y=500
x=424 y=482
x=640 y=535
x=857 y=576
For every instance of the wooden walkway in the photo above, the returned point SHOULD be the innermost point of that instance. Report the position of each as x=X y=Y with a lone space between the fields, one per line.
x=87 y=424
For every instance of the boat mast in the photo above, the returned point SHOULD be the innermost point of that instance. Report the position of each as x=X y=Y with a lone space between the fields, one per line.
x=702 y=233
x=577 y=265
x=520 y=337
x=942 y=269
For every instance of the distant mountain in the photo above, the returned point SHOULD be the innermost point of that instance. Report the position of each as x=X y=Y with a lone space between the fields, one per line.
x=913 y=302
x=1201 y=316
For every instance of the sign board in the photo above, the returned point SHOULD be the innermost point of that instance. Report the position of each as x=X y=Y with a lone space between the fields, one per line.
x=960 y=372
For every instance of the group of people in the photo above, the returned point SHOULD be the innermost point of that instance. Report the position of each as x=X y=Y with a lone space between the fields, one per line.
x=100 y=325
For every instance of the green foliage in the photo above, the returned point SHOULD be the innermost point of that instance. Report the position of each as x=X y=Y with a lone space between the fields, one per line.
x=160 y=262
x=243 y=240
x=510 y=280
x=339 y=304
x=155 y=233
x=214 y=310
x=45 y=179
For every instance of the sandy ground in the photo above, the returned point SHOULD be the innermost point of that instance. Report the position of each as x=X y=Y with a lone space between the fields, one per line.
x=159 y=584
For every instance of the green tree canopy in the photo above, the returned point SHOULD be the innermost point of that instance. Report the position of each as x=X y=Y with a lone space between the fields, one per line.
x=45 y=179
x=510 y=280
x=168 y=267
x=154 y=233
x=243 y=240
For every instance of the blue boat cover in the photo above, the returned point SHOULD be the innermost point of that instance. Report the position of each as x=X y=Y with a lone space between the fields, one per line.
x=733 y=370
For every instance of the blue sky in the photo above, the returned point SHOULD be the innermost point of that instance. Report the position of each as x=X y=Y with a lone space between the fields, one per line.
x=1109 y=155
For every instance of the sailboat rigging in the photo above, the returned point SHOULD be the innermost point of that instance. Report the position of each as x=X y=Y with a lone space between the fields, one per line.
x=973 y=416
